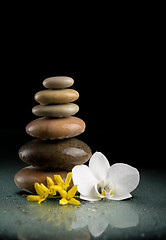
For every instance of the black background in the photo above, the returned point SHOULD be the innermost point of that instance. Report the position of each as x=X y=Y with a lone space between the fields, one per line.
x=116 y=66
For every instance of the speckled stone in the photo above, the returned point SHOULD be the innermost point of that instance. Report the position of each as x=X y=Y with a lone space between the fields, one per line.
x=26 y=177
x=56 y=96
x=58 y=82
x=61 y=154
x=55 y=128
x=62 y=110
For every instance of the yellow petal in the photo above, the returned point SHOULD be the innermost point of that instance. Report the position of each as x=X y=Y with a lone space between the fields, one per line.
x=45 y=190
x=68 y=179
x=38 y=189
x=74 y=201
x=63 y=201
x=33 y=198
x=55 y=187
x=63 y=193
x=43 y=187
x=59 y=180
x=72 y=191
x=50 y=182
x=41 y=200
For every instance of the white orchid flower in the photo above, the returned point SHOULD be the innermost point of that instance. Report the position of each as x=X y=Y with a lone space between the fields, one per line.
x=100 y=180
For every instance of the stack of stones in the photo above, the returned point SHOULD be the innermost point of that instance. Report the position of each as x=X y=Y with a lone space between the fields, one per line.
x=55 y=150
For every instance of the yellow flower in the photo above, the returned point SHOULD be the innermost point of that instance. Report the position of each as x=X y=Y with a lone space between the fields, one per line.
x=42 y=192
x=61 y=183
x=51 y=190
x=52 y=187
x=69 y=197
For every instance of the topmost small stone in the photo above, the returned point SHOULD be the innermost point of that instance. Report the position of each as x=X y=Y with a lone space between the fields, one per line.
x=58 y=82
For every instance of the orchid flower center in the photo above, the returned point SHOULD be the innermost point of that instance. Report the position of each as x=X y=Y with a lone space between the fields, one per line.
x=105 y=190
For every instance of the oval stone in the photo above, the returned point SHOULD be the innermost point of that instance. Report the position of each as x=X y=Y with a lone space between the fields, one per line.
x=56 y=96
x=62 y=110
x=60 y=154
x=28 y=176
x=58 y=82
x=55 y=128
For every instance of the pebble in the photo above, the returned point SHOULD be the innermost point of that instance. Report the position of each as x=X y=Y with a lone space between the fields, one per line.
x=62 y=110
x=58 y=82
x=60 y=154
x=26 y=177
x=55 y=128
x=56 y=96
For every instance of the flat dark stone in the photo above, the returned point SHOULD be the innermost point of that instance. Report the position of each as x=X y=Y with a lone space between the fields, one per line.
x=59 y=154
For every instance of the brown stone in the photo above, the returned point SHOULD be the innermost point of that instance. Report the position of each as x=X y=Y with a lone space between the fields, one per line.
x=60 y=110
x=60 y=154
x=56 y=96
x=58 y=82
x=26 y=177
x=55 y=128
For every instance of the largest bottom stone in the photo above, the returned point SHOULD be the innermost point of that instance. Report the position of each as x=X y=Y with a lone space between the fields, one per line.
x=28 y=176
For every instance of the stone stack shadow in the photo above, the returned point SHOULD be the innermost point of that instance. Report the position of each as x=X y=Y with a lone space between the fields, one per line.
x=55 y=150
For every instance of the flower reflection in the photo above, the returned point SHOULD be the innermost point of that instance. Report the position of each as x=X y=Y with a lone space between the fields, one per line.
x=51 y=221
x=99 y=215
x=65 y=216
x=61 y=217
x=88 y=218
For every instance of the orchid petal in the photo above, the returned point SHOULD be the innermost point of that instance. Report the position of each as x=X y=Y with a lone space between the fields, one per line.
x=99 y=165
x=98 y=194
x=124 y=177
x=123 y=197
x=83 y=177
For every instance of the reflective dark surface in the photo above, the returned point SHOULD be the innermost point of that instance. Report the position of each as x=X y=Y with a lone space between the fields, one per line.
x=142 y=217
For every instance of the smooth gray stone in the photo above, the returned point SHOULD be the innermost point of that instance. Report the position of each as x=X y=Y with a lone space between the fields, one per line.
x=62 y=110
x=58 y=82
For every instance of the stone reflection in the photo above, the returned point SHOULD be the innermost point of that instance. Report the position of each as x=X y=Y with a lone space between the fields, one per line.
x=50 y=220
